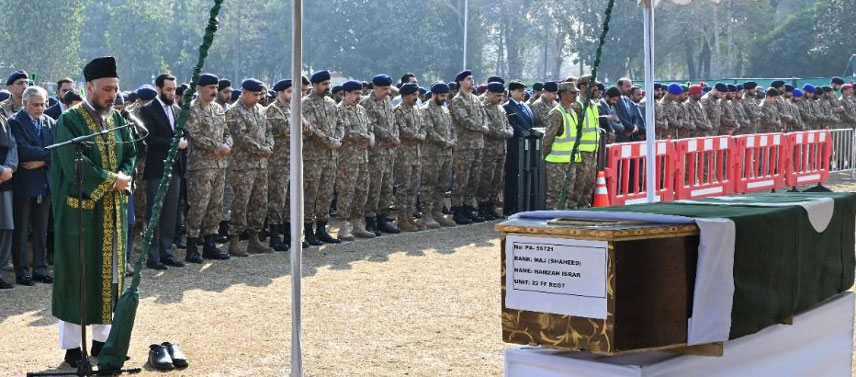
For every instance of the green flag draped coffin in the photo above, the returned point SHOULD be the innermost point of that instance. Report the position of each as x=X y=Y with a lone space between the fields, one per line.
x=761 y=259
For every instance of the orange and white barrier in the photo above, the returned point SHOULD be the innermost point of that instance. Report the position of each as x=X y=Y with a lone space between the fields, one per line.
x=808 y=158
x=625 y=172
x=760 y=162
x=704 y=167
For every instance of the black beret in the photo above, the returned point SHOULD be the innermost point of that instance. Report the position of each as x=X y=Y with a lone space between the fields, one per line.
x=235 y=94
x=352 y=85
x=516 y=85
x=463 y=75
x=837 y=80
x=439 y=88
x=17 y=75
x=252 y=85
x=551 y=86
x=223 y=84
x=382 y=80
x=658 y=86
x=321 y=76
x=336 y=89
x=422 y=90
x=739 y=88
x=304 y=80
x=453 y=85
x=721 y=87
x=282 y=85
x=732 y=88
x=538 y=86
x=206 y=79
x=408 y=89
x=99 y=68
x=271 y=93
x=146 y=92
x=772 y=92
x=496 y=87
x=827 y=89
x=496 y=79
x=130 y=97
x=750 y=85
x=777 y=83
x=600 y=86
x=789 y=89
x=4 y=94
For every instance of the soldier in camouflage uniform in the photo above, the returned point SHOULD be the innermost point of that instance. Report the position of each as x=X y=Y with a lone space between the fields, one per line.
x=17 y=82
x=352 y=175
x=829 y=107
x=661 y=123
x=672 y=111
x=145 y=94
x=279 y=170
x=470 y=126
x=542 y=106
x=381 y=158
x=209 y=142
x=248 y=167
x=848 y=103
x=805 y=105
x=793 y=111
x=770 y=121
x=491 y=182
x=437 y=164
x=728 y=123
x=750 y=106
x=323 y=139
x=411 y=130
x=710 y=101
x=784 y=111
x=697 y=115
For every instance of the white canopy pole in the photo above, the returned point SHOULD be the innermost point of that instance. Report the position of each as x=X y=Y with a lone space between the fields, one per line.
x=650 y=147
x=296 y=189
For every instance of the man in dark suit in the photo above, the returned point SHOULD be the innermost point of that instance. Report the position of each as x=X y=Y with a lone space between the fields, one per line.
x=624 y=107
x=522 y=121
x=33 y=130
x=160 y=116
x=63 y=86
x=636 y=95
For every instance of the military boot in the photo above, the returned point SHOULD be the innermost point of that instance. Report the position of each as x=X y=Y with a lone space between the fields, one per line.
x=442 y=220
x=255 y=245
x=223 y=232
x=235 y=246
x=483 y=213
x=321 y=233
x=192 y=255
x=345 y=231
x=429 y=222
x=275 y=242
x=371 y=225
x=384 y=225
x=414 y=221
x=286 y=236
x=470 y=212
x=459 y=216
x=309 y=234
x=491 y=208
x=210 y=250
x=404 y=223
x=360 y=230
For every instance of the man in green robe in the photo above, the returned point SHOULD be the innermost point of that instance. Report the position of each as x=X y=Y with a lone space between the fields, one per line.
x=106 y=169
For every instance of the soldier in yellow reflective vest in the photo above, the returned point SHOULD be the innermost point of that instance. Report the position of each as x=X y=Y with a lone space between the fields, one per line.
x=559 y=139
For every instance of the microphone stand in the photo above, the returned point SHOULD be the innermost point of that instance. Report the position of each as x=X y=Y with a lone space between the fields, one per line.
x=84 y=368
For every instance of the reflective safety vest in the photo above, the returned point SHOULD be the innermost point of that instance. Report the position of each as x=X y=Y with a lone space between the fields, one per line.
x=560 y=151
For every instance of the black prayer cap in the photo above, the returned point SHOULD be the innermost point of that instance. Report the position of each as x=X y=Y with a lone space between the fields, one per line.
x=99 y=68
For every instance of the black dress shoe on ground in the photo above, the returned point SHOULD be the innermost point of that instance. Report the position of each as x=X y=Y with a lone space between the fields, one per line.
x=46 y=278
x=96 y=348
x=178 y=358
x=73 y=357
x=159 y=358
x=173 y=263
x=26 y=280
x=156 y=266
x=5 y=285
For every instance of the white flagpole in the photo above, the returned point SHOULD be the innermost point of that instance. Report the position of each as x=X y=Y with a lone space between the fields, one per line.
x=296 y=189
x=466 y=21
x=650 y=147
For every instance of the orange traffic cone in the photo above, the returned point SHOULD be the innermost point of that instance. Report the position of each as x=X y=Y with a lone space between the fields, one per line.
x=601 y=196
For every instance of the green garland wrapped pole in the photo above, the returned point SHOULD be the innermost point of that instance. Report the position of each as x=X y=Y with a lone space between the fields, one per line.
x=113 y=353
x=589 y=89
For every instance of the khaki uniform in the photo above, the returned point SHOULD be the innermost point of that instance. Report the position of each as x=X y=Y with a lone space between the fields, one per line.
x=661 y=128
x=319 y=169
x=248 y=167
x=784 y=115
x=821 y=119
x=753 y=112
x=540 y=109
x=807 y=113
x=714 y=111
x=279 y=169
x=742 y=118
x=382 y=156
x=9 y=108
x=437 y=164
x=728 y=123
x=698 y=117
x=408 y=157
x=830 y=112
x=848 y=115
x=206 y=173
x=352 y=176
x=492 y=179
x=580 y=175
x=470 y=126
x=770 y=120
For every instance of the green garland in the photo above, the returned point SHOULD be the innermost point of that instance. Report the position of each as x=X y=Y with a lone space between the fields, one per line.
x=207 y=40
x=586 y=103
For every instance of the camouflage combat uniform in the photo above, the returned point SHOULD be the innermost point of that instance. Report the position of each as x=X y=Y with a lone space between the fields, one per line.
x=437 y=164
x=319 y=157
x=206 y=173
x=352 y=179
x=408 y=158
x=470 y=126
x=279 y=169
x=492 y=180
x=382 y=156
x=248 y=167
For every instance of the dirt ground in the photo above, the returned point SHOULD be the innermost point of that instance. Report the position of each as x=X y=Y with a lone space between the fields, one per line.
x=416 y=304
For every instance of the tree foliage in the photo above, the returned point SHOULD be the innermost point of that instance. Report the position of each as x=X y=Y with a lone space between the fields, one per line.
x=527 y=39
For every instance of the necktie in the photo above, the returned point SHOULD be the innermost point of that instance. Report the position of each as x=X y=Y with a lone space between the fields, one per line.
x=38 y=128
